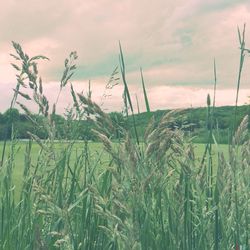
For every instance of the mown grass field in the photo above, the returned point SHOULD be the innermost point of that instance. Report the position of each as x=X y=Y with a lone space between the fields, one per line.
x=96 y=150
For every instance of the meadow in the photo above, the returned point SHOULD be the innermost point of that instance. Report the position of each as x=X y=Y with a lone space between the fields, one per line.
x=96 y=151
x=159 y=191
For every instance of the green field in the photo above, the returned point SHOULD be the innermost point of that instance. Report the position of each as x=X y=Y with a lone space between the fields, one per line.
x=96 y=149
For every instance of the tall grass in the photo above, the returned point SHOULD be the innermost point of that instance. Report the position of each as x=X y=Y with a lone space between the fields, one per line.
x=144 y=92
x=128 y=196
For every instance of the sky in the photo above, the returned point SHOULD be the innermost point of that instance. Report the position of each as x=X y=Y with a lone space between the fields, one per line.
x=175 y=43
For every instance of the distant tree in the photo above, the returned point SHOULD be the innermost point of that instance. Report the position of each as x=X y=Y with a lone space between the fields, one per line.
x=11 y=116
x=1 y=118
x=2 y=132
x=22 y=129
x=22 y=118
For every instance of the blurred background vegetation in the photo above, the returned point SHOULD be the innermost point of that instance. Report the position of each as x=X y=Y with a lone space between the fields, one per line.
x=193 y=121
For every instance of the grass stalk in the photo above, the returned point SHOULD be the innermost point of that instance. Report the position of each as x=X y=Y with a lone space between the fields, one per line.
x=145 y=92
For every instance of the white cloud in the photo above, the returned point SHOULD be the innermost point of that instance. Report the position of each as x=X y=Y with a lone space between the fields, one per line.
x=160 y=97
x=174 y=42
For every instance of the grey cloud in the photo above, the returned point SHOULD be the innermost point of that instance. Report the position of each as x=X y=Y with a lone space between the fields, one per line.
x=218 y=5
x=174 y=41
x=24 y=20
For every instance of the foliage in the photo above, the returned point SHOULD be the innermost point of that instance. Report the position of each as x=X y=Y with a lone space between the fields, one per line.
x=192 y=120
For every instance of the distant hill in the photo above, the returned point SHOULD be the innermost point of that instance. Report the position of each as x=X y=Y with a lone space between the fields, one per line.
x=197 y=119
x=192 y=120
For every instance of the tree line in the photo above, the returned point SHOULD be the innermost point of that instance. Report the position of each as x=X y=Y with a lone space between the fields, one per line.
x=193 y=120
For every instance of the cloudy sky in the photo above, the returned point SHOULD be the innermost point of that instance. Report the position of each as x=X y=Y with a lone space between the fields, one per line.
x=175 y=42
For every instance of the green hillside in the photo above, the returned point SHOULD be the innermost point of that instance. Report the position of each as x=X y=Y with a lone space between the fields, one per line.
x=195 y=121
